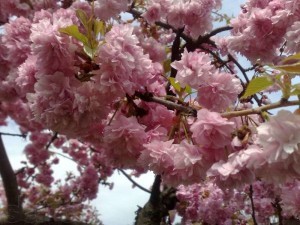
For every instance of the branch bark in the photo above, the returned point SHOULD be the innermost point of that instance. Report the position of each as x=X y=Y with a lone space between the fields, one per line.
x=156 y=210
x=14 y=204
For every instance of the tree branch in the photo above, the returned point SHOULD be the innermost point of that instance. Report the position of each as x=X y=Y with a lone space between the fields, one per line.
x=261 y=109
x=14 y=204
x=252 y=205
x=134 y=182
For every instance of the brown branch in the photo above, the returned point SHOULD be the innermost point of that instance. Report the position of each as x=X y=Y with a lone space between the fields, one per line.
x=148 y=97
x=278 y=210
x=252 y=205
x=13 y=135
x=14 y=204
x=134 y=182
x=261 y=109
x=205 y=38
x=169 y=104
x=154 y=211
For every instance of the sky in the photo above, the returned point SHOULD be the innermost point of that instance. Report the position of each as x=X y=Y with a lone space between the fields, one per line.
x=117 y=206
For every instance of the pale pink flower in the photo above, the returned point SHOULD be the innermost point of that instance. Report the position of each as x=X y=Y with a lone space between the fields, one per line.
x=106 y=9
x=11 y=8
x=198 y=19
x=157 y=115
x=89 y=182
x=219 y=92
x=123 y=141
x=153 y=13
x=290 y=198
x=54 y=50
x=193 y=69
x=210 y=130
x=124 y=68
x=156 y=50
x=26 y=77
x=234 y=171
x=16 y=40
x=280 y=137
x=157 y=155
x=176 y=13
x=293 y=38
x=189 y=164
x=266 y=21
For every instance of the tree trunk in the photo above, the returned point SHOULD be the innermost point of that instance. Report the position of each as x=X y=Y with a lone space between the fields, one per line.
x=14 y=206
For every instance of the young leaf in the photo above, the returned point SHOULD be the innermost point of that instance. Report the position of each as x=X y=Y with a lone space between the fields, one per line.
x=257 y=84
x=89 y=51
x=295 y=57
x=295 y=89
x=290 y=68
x=188 y=89
x=74 y=32
x=175 y=84
x=167 y=65
x=81 y=15
x=99 y=27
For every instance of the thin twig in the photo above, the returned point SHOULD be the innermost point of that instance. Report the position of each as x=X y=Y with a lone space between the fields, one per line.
x=278 y=209
x=51 y=140
x=260 y=109
x=14 y=135
x=134 y=182
x=252 y=205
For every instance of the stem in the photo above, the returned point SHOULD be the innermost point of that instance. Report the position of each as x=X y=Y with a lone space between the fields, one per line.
x=134 y=182
x=278 y=209
x=169 y=104
x=261 y=109
x=13 y=135
x=252 y=205
x=14 y=205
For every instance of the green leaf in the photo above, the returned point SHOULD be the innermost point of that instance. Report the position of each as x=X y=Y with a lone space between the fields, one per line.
x=167 y=66
x=292 y=57
x=295 y=89
x=99 y=27
x=188 y=89
x=290 y=68
x=257 y=84
x=175 y=84
x=74 y=32
x=89 y=51
x=81 y=15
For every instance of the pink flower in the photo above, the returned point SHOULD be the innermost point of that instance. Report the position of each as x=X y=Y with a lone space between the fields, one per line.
x=89 y=182
x=106 y=9
x=123 y=141
x=280 y=137
x=176 y=13
x=16 y=40
x=198 y=19
x=153 y=13
x=54 y=51
x=193 y=69
x=125 y=68
x=13 y=8
x=26 y=77
x=157 y=155
x=210 y=130
x=293 y=38
x=219 y=92
x=290 y=198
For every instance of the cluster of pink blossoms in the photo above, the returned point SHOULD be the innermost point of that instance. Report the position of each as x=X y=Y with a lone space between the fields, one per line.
x=272 y=22
x=216 y=90
x=194 y=16
x=114 y=109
